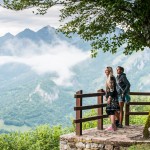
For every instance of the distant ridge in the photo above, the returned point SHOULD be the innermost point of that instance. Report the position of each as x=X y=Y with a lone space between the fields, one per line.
x=6 y=37
x=48 y=35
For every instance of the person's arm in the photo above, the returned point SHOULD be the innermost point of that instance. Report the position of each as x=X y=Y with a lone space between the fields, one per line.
x=107 y=95
x=109 y=100
x=125 y=80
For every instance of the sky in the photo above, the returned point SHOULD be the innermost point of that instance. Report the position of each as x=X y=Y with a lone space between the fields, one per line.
x=16 y=21
x=50 y=58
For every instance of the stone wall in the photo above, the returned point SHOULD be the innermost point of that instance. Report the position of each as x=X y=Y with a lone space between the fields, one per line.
x=65 y=145
x=93 y=139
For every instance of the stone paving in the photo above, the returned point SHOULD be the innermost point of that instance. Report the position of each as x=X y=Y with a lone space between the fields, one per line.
x=126 y=136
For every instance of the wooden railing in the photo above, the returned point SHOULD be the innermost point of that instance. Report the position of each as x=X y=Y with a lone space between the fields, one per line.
x=79 y=96
x=127 y=106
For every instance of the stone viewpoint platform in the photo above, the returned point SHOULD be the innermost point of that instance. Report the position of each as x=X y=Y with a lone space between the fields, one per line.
x=93 y=139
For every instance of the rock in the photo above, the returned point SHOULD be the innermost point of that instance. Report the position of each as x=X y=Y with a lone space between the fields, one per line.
x=88 y=145
x=80 y=145
x=94 y=145
x=108 y=147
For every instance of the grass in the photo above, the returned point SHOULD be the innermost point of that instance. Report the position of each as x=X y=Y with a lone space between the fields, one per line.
x=140 y=147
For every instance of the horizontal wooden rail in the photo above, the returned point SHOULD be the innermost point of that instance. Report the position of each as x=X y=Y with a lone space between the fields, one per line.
x=89 y=107
x=89 y=95
x=138 y=113
x=139 y=103
x=90 y=118
x=103 y=93
x=140 y=93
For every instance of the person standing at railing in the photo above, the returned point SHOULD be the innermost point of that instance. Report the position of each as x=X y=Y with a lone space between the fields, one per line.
x=111 y=97
x=123 y=89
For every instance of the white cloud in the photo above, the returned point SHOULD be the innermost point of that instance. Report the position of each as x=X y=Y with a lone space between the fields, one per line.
x=16 y=21
x=47 y=58
x=43 y=58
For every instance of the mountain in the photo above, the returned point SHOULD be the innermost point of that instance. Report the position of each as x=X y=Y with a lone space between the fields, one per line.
x=48 y=34
x=6 y=37
x=28 y=38
x=41 y=71
x=27 y=97
x=28 y=34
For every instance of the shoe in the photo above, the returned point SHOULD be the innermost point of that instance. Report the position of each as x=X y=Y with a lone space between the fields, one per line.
x=109 y=129
x=117 y=123
x=120 y=126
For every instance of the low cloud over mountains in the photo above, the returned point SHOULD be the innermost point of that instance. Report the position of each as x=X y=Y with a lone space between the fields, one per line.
x=41 y=71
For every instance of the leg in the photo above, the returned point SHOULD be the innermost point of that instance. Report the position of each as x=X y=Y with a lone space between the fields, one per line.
x=121 y=104
x=117 y=118
x=117 y=115
x=112 y=117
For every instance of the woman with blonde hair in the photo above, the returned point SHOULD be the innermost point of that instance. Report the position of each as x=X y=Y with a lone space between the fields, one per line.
x=111 y=97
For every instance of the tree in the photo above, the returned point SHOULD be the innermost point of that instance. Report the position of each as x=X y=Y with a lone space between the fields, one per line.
x=146 y=132
x=98 y=21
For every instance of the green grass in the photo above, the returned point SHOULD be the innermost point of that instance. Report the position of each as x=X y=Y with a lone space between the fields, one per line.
x=140 y=147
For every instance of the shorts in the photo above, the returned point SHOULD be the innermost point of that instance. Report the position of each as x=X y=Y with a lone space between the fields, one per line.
x=126 y=98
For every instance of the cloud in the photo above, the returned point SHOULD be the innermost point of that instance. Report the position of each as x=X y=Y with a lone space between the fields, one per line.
x=15 y=21
x=41 y=58
x=46 y=58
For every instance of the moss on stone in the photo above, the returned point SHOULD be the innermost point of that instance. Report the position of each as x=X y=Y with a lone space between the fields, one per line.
x=146 y=132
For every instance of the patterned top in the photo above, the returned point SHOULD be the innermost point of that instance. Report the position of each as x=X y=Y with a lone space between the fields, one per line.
x=112 y=96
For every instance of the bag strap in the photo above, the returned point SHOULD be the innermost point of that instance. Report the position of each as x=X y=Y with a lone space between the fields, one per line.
x=119 y=86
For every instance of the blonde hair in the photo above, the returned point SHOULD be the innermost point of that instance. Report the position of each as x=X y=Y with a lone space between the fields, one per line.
x=110 y=70
x=108 y=80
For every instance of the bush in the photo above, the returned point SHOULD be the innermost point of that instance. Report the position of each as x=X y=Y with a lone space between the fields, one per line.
x=42 y=138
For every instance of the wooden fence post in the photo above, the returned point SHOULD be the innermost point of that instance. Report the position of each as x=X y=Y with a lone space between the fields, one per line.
x=100 y=112
x=127 y=114
x=79 y=114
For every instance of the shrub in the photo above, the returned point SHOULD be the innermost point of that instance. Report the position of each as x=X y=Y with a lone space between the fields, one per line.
x=42 y=138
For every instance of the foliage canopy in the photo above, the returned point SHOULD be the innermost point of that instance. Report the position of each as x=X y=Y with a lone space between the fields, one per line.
x=97 y=21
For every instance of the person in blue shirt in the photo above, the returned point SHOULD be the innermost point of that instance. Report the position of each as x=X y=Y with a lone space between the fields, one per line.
x=123 y=89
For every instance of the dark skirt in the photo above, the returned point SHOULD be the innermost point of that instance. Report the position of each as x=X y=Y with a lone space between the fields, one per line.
x=112 y=107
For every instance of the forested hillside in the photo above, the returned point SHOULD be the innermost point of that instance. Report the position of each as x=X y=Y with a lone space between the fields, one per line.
x=36 y=88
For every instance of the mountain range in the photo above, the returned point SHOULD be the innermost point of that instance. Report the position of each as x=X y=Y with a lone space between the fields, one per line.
x=41 y=71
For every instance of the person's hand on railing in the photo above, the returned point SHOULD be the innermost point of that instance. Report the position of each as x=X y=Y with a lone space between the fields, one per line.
x=102 y=90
